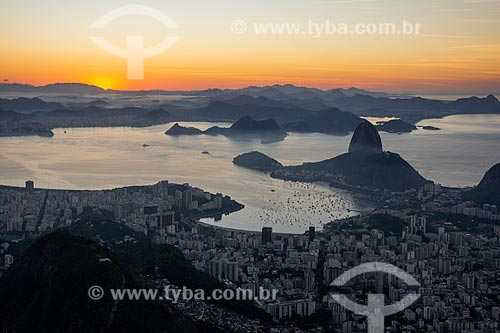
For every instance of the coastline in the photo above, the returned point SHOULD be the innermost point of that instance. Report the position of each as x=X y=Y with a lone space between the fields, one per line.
x=250 y=232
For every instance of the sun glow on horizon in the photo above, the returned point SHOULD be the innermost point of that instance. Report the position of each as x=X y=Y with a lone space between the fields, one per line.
x=104 y=82
x=457 y=51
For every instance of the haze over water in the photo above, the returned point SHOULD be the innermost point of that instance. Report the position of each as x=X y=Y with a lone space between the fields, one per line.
x=97 y=158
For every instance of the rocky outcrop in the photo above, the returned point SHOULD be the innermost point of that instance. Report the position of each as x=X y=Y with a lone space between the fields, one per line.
x=396 y=126
x=181 y=130
x=488 y=190
x=365 y=165
x=257 y=161
x=268 y=130
x=366 y=138
x=247 y=123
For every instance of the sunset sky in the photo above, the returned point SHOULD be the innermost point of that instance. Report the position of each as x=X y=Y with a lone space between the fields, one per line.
x=457 y=51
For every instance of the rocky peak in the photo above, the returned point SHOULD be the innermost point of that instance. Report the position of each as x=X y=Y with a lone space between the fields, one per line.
x=365 y=138
x=491 y=179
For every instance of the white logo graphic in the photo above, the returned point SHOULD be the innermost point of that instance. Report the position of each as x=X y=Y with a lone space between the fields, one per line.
x=375 y=311
x=135 y=52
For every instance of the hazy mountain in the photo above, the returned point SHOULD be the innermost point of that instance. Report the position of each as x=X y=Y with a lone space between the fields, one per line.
x=212 y=92
x=329 y=121
x=306 y=94
x=313 y=104
x=157 y=114
x=356 y=91
x=97 y=116
x=416 y=108
x=284 y=103
x=396 y=126
x=9 y=115
x=223 y=111
x=247 y=123
x=269 y=92
x=474 y=104
x=368 y=102
x=267 y=129
x=46 y=290
x=237 y=99
x=63 y=88
x=97 y=102
x=24 y=104
x=289 y=91
x=333 y=95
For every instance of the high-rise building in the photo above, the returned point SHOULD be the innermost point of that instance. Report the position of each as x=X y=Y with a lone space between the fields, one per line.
x=230 y=270
x=164 y=220
x=312 y=233
x=30 y=186
x=267 y=235
x=187 y=198
x=215 y=268
x=310 y=280
x=416 y=224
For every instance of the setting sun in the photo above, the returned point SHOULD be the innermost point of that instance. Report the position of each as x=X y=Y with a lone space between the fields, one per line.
x=105 y=82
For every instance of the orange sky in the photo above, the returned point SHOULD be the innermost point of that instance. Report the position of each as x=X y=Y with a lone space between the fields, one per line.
x=457 y=51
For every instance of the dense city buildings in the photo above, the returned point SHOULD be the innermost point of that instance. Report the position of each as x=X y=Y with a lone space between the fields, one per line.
x=429 y=233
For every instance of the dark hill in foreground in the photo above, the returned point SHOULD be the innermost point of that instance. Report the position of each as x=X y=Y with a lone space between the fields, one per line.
x=46 y=290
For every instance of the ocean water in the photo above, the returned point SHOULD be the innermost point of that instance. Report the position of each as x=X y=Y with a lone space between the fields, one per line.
x=97 y=158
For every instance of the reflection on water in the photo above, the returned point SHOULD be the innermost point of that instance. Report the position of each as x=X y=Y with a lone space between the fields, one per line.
x=375 y=120
x=95 y=158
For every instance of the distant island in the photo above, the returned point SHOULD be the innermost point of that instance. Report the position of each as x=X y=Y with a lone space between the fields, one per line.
x=431 y=128
x=257 y=161
x=177 y=130
x=27 y=130
x=395 y=126
x=268 y=130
